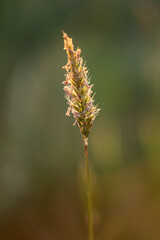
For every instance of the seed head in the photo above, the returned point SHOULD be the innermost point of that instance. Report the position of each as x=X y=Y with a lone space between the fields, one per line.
x=78 y=89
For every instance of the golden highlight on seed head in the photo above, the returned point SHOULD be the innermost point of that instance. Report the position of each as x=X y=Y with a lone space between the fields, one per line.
x=77 y=89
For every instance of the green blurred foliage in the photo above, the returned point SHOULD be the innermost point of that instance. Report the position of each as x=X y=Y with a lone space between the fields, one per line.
x=42 y=177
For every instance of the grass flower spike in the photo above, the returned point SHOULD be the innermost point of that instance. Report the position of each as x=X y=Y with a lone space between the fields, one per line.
x=78 y=89
x=80 y=100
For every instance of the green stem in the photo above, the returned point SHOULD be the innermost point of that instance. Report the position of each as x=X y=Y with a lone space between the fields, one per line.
x=90 y=217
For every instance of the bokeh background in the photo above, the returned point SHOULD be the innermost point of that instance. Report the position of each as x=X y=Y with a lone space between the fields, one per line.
x=42 y=167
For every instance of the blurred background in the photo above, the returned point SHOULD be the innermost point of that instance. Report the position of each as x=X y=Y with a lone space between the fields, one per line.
x=42 y=167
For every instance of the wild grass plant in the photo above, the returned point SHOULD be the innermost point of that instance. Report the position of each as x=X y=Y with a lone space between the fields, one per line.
x=78 y=93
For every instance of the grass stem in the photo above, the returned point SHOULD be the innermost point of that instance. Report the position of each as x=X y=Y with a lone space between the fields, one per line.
x=90 y=216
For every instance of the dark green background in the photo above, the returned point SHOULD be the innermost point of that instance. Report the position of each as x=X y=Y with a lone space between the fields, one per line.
x=42 y=167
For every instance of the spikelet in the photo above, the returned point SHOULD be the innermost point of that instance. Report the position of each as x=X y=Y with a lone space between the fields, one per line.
x=78 y=89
